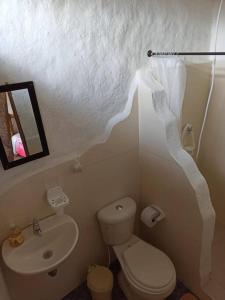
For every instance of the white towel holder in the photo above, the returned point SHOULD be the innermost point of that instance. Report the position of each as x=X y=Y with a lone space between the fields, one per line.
x=188 y=138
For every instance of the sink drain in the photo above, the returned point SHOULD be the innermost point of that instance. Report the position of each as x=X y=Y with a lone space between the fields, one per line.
x=47 y=254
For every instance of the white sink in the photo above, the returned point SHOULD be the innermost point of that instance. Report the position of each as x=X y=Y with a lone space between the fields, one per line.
x=45 y=252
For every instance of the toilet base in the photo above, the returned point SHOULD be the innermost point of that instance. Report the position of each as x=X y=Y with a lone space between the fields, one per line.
x=130 y=293
x=124 y=287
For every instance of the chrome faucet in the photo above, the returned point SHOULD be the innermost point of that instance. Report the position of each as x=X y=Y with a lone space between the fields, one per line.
x=36 y=227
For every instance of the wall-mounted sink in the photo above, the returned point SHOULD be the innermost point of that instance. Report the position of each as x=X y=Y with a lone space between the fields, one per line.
x=45 y=252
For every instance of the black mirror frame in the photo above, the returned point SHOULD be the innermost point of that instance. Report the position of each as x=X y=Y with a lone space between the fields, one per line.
x=30 y=87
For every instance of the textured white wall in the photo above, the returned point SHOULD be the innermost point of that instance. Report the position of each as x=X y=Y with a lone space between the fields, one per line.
x=82 y=54
x=219 y=41
x=220 y=45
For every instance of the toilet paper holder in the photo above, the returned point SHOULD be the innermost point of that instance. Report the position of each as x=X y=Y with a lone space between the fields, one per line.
x=160 y=214
x=151 y=215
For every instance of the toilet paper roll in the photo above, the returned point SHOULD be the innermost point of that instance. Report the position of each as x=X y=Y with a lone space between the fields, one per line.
x=149 y=216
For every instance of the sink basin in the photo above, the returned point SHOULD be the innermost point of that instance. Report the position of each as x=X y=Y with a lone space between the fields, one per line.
x=45 y=252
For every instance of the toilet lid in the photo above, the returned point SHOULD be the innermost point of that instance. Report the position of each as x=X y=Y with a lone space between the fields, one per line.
x=149 y=266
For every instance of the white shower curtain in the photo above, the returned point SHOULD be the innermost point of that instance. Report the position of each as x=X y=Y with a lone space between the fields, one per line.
x=170 y=78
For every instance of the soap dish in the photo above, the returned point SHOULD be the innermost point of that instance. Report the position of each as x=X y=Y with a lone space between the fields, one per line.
x=57 y=198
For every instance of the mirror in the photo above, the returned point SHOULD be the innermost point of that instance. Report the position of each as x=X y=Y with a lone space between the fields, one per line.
x=22 y=136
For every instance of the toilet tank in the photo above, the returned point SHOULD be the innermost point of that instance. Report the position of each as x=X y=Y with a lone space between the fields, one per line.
x=117 y=221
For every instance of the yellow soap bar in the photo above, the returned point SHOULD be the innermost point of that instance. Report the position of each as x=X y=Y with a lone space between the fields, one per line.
x=15 y=237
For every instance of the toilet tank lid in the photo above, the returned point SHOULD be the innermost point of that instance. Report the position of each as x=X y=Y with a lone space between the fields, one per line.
x=118 y=211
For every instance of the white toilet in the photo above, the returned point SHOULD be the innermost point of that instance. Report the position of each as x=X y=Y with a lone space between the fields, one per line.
x=147 y=273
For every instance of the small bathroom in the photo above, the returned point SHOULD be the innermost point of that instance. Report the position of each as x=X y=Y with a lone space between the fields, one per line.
x=111 y=150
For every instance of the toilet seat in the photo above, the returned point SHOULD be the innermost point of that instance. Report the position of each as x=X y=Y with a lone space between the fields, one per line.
x=147 y=268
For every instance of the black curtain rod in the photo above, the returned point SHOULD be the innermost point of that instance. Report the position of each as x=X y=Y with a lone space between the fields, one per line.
x=151 y=53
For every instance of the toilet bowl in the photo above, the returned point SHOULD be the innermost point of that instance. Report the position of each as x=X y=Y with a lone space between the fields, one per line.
x=147 y=273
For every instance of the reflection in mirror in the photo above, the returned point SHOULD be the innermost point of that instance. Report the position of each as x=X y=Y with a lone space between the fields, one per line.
x=21 y=130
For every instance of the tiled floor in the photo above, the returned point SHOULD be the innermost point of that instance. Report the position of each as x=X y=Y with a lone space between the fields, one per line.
x=215 y=288
x=82 y=293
